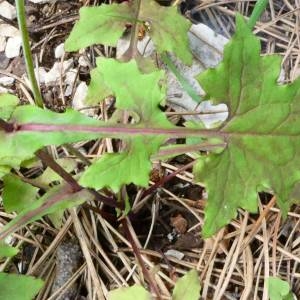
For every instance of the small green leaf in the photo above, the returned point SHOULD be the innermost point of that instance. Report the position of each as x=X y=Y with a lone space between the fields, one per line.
x=8 y=103
x=17 y=194
x=7 y=251
x=187 y=287
x=279 y=289
x=167 y=28
x=105 y=25
x=48 y=176
x=99 y=25
x=19 y=287
x=128 y=293
x=262 y=132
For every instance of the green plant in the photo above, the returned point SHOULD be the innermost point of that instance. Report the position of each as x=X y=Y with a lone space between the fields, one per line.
x=279 y=289
x=251 y=151
x=186 y=287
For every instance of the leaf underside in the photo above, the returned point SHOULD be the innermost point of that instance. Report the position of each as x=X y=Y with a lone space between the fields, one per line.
x=262 y=132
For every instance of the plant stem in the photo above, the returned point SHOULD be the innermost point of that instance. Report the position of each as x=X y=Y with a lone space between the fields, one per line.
x=257 y=12
x=184 y=83
x=179 y=149
x=152 y=284
x=132 y=51
x=20 y=6
x=74 y=185
x=121 y=130
x=165 y=179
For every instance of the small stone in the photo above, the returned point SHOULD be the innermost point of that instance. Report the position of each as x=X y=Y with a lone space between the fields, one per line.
x=53 y=76
x=4 y=61
x=13 y=47
x=2 y=43
x=7 y=30
x=42 y=1
x=79 y=96
x=83 y=62
x=7 y=10
x=40 y=74
x=6 y=80
x=3 y=90
x=174 y=253
x=59 y=51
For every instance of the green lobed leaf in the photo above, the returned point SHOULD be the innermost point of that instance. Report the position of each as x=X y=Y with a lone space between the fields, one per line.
x=17 y=194
x=129 y=293
x=105 y=25
x=279 y=289
x=187 y=287
x=19 y=287
x=132 y=165
x=262 y=132
x=167 y=28
x=99 y=25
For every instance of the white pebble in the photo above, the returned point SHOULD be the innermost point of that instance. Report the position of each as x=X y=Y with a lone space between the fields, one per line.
x=59 y=51
x=6 y=80
x=13 y=47
x=7 y=10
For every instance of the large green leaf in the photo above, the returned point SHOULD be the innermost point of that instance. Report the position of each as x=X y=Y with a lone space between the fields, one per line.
x=18 y=287
x=105 y=25
x=140 y=95
x=99 y=25
x=262 y=132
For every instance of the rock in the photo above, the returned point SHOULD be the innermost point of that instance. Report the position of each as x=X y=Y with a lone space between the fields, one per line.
x=6 y=80
x=207 y=48
x=2 y=43
x=3 y=90
x=13 y=46
x=42 y=1
x=79 y=96
x=4 y=61
x=68 y=260
x=7 y=10
x=7 y=30
x=59 y=51
x=83 y=61
x=52 y=77
x=174 y=253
